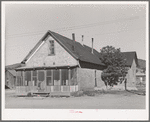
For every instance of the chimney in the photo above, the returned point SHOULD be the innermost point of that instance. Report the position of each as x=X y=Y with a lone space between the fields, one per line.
x=82 y=39
x=73 y=38
x=92 y=44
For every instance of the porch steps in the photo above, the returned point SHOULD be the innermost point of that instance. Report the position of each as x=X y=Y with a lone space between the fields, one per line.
x=52 y=94
x=60 y=94
x=41 y=94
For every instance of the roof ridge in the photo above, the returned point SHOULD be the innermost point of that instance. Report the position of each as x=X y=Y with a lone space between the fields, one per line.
x=80 y=53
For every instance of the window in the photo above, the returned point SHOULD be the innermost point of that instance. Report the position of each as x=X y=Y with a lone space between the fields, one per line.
x=41 y=75
x=64 y=76
x=49 y=81
x=35 y=77
x=51 y=47
x=19 y=78
x=56 y=77
x=27 y=77
x=73 y=80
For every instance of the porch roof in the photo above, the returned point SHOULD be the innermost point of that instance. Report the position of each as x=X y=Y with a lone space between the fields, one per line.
x=46 y=67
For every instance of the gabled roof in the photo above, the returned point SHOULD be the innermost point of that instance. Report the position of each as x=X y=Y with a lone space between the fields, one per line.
x=13 y=66
x=80 y=52
x=129 y=58
x=90 y=50
x=142 y=63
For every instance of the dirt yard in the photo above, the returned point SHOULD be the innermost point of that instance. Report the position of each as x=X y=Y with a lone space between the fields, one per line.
x=111 y=100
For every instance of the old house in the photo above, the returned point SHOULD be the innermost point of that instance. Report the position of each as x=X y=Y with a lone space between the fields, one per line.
x=131 y=65
x=141 y=72
x=10 y=76
x=10 y=79
x=59 y=65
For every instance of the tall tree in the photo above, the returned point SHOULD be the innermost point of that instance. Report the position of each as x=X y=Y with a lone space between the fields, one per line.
x=115 y=61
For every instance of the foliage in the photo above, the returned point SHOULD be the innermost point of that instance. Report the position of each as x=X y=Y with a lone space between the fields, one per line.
x=114 y=60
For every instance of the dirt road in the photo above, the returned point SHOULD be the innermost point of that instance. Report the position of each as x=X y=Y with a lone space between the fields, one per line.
x=103 y=101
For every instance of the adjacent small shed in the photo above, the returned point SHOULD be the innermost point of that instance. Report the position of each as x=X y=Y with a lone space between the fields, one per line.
x=10 y=79
x=141 y=78
x=10 y=75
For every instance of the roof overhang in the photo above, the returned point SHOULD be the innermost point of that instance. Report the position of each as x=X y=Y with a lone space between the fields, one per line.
x=46 y=67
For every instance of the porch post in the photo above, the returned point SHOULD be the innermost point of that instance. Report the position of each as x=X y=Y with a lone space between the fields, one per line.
x=23 y=78
x=16 y=81
x=78 y=83
x=37 y=80
x=32 y=87
x=32 y=77
x=60 y=77
x=45 y=75
x=16 y=78
x=52 y=71
x=69 y=78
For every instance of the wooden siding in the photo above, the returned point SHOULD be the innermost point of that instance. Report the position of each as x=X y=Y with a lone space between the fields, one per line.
x=131 y=76
x=10 y=80
x=86 y=79
x=42 y=57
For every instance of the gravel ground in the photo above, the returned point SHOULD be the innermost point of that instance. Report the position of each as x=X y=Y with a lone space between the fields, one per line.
x=114 y=100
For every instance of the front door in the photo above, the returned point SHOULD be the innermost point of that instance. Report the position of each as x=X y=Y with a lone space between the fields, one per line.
x=41 y=80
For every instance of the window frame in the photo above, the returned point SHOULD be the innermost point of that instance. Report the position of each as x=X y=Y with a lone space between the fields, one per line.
x=49 y=76
x=51 y=47
x=35 y=76
x=62 y=80
x=26 y=77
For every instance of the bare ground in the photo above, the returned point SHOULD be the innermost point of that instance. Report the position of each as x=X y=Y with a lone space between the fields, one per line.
x=108 y=100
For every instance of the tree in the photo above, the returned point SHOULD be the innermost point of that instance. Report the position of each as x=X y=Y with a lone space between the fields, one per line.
x=115 y=61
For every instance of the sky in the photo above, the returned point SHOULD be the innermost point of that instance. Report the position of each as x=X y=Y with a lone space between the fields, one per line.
x=120 y=25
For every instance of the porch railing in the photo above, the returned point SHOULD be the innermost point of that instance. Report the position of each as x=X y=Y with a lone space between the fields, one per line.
x=57 y=88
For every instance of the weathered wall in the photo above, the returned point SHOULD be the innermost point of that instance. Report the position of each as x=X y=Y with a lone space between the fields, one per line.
x=86 y=79
x=9 y=80
x=41 y=57
x=99 y=81
x=131 y=79
x=140 y=79
x=131 y=76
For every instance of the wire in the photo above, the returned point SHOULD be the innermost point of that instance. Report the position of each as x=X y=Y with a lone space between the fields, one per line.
x=119 y=31
x=75 y=27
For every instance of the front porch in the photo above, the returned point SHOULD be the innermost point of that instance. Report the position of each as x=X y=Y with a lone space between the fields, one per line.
x=56 y=81
x=52 y=90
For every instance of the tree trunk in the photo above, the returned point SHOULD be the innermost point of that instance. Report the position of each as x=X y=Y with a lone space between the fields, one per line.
x=125 y=83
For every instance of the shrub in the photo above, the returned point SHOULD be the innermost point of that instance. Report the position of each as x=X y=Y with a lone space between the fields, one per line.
x=89 y=93
x=77 y=94
x=29 y=94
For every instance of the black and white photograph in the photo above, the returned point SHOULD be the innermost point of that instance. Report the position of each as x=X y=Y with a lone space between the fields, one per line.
x=75 y=60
